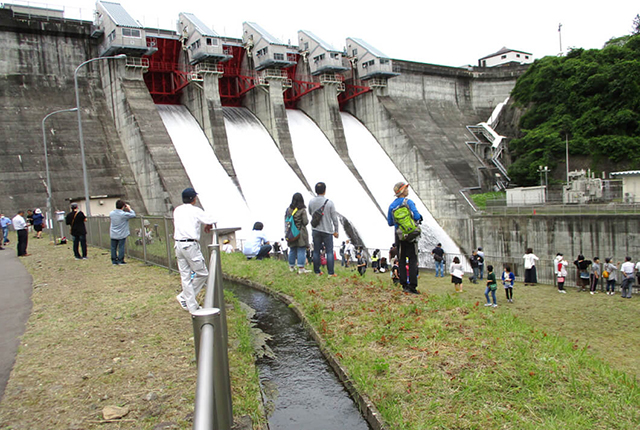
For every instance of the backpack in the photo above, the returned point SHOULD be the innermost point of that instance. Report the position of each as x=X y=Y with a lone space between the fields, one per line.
x=317 y=215
x=408 y=230
x=291 y=230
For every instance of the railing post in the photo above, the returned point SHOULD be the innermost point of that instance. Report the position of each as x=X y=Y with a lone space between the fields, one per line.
x=204 y=323
x=214 y=298
x=144 y=240
x=99 y=233
x=168 y=242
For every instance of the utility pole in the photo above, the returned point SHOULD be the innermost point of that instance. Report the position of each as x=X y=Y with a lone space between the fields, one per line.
x=566 y=136
x=560 y=36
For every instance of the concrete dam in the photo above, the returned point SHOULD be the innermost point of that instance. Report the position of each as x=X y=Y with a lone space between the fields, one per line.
x=416 y=113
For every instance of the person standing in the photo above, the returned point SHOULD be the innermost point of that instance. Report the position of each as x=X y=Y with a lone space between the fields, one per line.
x=298 y=247
x=474 y=260
x=187 y=220
x=21 y=228
x=595 y=276
x=560 y=267
x=407 y=249
x=610 y=273
x=38 y=223
x=119 y=230
x=530 y=276
x=508 y=279
x=349 y=253
x=438 y=257
x=324 y=232
x=76 y=219
x=627 y=278
x=5 y=222
x=583 y=274
x=492 y=286
x=457 y=273
x=480 y=263
x=361 y=262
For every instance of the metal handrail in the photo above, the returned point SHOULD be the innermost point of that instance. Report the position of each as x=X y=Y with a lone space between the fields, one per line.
x=213 y=407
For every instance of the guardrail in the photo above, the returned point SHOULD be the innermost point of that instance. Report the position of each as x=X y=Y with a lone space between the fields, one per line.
x=151 y=241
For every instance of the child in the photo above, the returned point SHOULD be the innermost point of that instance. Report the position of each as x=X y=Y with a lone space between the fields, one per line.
x=395 y=272
x=362 y=264
x=561 y=272
x=492 y=286
x=507 y=279
x=595 y=276
x=456 y=274
x=609 y=273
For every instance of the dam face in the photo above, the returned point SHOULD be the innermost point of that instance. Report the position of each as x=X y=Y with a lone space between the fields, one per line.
x=418 y=118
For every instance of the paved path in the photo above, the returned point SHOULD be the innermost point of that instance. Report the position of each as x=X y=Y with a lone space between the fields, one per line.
x=15 y=308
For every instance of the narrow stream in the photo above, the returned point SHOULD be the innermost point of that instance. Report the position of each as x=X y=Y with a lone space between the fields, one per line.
x=305 y=391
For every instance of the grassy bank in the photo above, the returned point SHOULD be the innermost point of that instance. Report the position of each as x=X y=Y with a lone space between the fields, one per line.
x=102 y=335
x=444 y=361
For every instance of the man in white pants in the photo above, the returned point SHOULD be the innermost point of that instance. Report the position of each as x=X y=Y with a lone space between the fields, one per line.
x=187 y=219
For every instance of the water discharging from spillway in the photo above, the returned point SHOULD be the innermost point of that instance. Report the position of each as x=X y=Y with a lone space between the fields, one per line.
x=268 y=182
x=380 y=174
x=216 y=191
x=301 y=387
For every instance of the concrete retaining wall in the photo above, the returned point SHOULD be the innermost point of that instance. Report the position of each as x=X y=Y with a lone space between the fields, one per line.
x=591 y=235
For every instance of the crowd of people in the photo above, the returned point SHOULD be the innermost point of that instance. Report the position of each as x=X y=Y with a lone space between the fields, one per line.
x=22 y=223
x=316 y=250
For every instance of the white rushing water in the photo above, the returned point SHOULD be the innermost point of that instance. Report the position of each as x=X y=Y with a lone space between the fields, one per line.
x=380 y=174
x=216 y=191
x=267 y=181
x=319 y=162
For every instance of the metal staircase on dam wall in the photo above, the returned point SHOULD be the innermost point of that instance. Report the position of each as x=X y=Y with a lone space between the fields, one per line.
x=489 y=146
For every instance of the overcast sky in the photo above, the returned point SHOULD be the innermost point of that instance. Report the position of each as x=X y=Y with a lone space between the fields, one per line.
x=451 y=33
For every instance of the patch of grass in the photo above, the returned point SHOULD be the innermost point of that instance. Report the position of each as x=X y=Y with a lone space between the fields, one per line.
x=481 y=199
x=103 y=335
x=443 y=361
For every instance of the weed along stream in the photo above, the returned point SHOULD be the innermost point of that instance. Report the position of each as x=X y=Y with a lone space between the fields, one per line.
x=301 y=390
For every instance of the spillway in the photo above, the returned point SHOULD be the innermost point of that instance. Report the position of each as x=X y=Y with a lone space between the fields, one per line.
x=268 y=182
x=319 y=162
x=216 y=191
x=380 y=174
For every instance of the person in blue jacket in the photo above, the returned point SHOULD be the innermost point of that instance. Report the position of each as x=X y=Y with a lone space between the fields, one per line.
x=407 y=251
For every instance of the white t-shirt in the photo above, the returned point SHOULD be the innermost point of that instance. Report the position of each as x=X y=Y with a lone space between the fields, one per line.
x=627 y=268
x=19 y=223
x=187 y=220
x=529 y=260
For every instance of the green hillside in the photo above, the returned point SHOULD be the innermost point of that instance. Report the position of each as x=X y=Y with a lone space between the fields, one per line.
x=590 y=96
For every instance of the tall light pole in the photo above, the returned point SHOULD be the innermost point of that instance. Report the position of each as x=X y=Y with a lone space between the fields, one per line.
x=84 y=162
x=46 y=163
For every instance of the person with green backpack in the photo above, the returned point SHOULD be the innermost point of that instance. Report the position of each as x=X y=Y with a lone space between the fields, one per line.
x=404 y=216
x=296 y=234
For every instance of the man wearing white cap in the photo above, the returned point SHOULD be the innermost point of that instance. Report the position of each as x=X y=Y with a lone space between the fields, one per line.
x=187 y=219
x=408 y=246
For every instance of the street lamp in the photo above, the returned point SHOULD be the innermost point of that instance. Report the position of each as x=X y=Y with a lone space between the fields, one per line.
x=46 y=163
x=84 y=163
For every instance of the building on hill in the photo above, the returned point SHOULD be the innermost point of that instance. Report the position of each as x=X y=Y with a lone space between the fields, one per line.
x=505 y=57
x=630 y=185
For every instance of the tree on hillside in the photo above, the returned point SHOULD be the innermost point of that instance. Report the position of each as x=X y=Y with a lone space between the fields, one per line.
x=590 y=96
x=636 y=25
